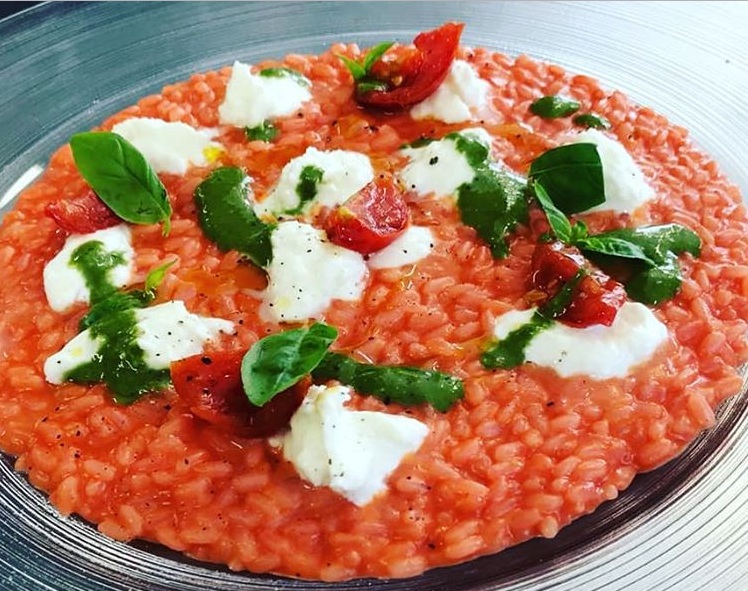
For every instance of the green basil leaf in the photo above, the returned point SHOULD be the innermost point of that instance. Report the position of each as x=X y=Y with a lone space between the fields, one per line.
x=509 y=352
x=356 y=69
x=558 y=304
x=613 y=246
x=367 y=85
x=375 y=53
x=227 y=217
x=655 y=284
x=265 y=132
x=280 y=360
x=553 y=107
x=589 y=120
x=657 y=242
x=560 y=224
x=404 y=385
x=156 y=276
x=493 y=203
x=572 y=176
x=120 y=175
x=281 y=72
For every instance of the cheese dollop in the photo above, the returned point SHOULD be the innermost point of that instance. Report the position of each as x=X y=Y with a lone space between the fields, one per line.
x=350 y=451
x=307 y=273
x=414 y=244
x=439 y=168
x=64 y=284
x=598 y=351
x=169 y=146
x=344 y=173
x=625 y=186
x=165 y=333
x=453 y=102
x=252 y=98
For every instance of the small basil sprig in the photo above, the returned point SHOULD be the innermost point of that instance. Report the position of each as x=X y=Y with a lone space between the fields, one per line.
x=282 y=72
x=404 y=385
x=280 y=360
x=653 y=249
x=361 y=71
x=264 y=132
x=494 y=202
x=156 y=276
x=227 y=218
x=120 y=175
x=553 y=107
x=589 y=120
x=572 y=175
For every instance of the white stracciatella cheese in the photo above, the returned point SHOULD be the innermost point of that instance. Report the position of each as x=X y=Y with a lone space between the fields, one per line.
x=65 y=285
x=254 y=98
x=170 y=147
x=307 y=273
x=352 y=452
x=598 y=351
x=167 y=332
x=439 y=168
x=453 y=102
x=414 y=244
x=625 y=186
x=343 y=174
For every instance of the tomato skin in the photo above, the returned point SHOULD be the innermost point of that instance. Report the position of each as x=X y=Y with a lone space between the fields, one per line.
x=211 y=386
x=82 y=215
x=371 y=219
x=417 y=81
x=598 y=297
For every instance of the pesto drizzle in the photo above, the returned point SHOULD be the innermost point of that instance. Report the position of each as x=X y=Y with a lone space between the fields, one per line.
x=306 y=189
x=94 y=262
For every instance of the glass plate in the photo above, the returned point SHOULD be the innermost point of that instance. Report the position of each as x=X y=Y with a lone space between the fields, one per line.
x=67 y=66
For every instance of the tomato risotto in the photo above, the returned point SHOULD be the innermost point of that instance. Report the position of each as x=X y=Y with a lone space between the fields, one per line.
x=537 y=338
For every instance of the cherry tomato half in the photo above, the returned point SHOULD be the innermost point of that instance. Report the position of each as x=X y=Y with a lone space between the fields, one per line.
x=211 y=386
x=82 y=215
x=420 y=74
x=371 y=219
x=598 y=297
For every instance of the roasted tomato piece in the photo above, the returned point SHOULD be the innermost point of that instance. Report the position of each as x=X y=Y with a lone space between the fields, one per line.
x=417 y=75
x=211 y=386
x=598 y=297
x=82 y=215
x=371 y=219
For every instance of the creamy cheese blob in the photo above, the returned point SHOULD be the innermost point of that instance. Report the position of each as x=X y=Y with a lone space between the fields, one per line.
x=169 y=146
x=625 y=186
x=414 y=244
x=439 y=168
x=253 y=98
x=461 y=92
x=64 y=284
x=307 y=273
x=167 y=332
x=598 y=351
x=350 y=451
x=341 y=174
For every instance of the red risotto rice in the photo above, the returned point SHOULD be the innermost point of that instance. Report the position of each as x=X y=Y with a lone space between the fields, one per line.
x=523 y=454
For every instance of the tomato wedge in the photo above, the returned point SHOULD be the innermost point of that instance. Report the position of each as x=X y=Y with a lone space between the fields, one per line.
x=418 y=74
x=371 y=219
x=82 y=215
x=598 y=297
x=211 y=386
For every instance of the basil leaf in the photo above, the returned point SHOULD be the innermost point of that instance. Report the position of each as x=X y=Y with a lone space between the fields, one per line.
x=614 y=246
x=509 y=352
x=404 y=385
x=655 y=284
x=657 y=242
x=560 y=224
x=370 y=86
x=227 y=218
x=558 y=304
x=553 y=107
x=572 y=176
x=265 y=132
x=282 y=72
x=156 y=276
x=375 y=53
x=120 y=175
x=356 y=69
x=278 y=361
x=588 y=120
x=493 y=203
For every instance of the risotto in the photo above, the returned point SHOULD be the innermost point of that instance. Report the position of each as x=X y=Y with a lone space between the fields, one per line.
x=519 y=430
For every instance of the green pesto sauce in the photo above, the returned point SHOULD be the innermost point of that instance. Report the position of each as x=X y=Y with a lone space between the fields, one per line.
x=94 y=262
x=510 y=351
x=306 y=189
